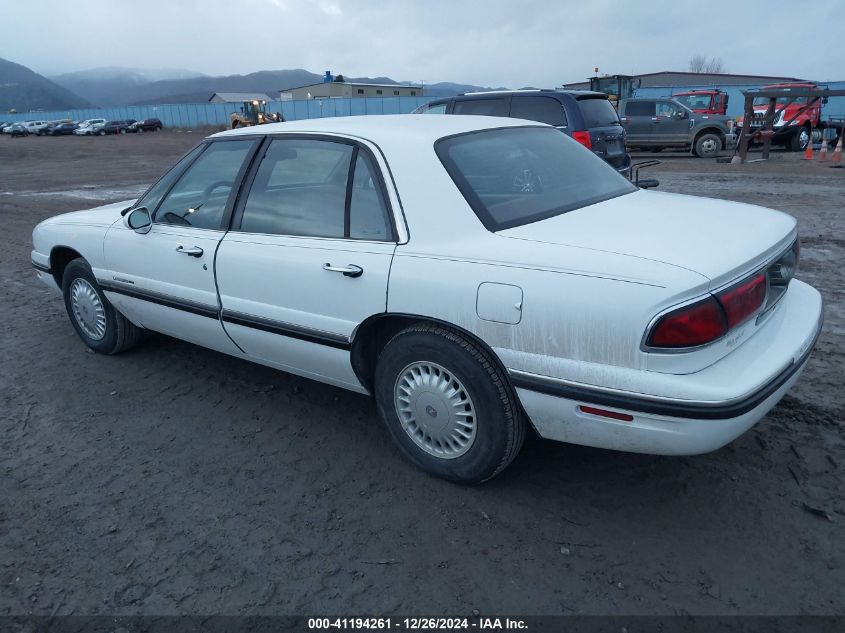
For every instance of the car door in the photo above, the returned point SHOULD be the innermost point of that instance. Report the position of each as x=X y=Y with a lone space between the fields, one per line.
x=638 y=119
x=671 y=123
x=164 y=279
x=308 y=256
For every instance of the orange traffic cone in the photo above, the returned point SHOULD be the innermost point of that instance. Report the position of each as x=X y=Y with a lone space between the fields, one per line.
x=808 y=153
x=823 y=150
x=837 y=153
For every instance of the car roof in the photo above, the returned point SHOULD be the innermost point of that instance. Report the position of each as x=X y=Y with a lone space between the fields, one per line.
x=416 y=128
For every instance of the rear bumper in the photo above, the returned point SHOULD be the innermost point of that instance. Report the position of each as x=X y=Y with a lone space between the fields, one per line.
x=561 y=419
x=668 y=425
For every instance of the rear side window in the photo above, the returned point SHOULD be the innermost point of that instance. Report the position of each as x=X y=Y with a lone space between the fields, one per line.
x=299 y=189
x=639 y=108
x=598 y=112
x=540 y=109
x=316 y=188
x=515 y=176
x=483 y=107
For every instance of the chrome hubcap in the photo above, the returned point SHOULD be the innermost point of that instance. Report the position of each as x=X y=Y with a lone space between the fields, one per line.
x=88 y=309
x=709 y=146
x=435 y=410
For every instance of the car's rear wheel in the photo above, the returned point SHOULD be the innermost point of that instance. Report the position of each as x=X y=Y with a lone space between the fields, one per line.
x=447 y=404
x=708 y=146
x=98 y=324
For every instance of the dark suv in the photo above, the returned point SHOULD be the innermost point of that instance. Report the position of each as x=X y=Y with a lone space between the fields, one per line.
x=588 y=117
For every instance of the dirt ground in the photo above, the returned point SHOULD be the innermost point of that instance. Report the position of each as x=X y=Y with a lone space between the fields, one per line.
x=173 y=479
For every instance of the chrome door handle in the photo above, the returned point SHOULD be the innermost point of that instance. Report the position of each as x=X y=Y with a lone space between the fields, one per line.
x=348 y=271
x=194 y=251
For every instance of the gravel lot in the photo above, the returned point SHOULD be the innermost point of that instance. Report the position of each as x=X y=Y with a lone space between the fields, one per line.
x=173 y=479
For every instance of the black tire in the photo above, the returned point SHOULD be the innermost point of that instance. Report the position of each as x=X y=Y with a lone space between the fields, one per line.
x=798 y=141
x=120 y=333
x=708 y=145
x=500 y=428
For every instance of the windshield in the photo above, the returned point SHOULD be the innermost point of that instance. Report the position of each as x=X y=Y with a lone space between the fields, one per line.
x=781 y=102
x=515 y=176
x=694 y=102
x=598 y=112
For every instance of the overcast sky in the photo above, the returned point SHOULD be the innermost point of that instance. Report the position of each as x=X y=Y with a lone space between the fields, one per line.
x=512 y=43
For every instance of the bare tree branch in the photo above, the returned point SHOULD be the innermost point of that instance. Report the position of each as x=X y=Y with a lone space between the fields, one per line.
x=700 y=64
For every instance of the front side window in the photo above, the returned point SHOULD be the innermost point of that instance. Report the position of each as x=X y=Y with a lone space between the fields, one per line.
x=200 y=197
x=540 y=109
x=515 y=176
x=667 y=109
x=154 y=194
x=483 y=107
x=303 y=188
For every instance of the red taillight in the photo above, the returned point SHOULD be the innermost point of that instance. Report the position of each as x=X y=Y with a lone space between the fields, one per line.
x=743 y=300
x=583 y=138
x=689 y=326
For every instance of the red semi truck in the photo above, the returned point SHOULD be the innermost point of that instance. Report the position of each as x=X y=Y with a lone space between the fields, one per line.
x=707 y=101
x=791 y=131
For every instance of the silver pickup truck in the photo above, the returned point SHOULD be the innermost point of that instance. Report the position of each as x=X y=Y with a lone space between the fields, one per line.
x=656 y=123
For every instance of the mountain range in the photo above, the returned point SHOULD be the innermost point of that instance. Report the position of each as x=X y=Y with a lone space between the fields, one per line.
x=25 y=90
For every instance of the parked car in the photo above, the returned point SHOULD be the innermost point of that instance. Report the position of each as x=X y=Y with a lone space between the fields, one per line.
x=89 y=127
x=63 y=129
x=35 y=127
x=113 y=127
x=16 y=129
x=146 y=125
x=588 y=117
x=521 y=280
x=659 y=123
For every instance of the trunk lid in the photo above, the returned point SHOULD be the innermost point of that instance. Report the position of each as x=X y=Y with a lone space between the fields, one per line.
x=715 y=238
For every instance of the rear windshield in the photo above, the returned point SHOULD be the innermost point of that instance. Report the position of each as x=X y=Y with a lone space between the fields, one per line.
x=515 y=176
x=598 y=112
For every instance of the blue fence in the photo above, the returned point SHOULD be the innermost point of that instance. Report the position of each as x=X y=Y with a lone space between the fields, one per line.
x=835 y=106
x=188 y=115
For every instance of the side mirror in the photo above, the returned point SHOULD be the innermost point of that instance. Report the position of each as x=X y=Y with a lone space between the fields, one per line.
x=681 y=114
x=139 y=220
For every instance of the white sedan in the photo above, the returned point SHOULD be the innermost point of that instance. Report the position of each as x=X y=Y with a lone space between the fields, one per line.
x=477 y=275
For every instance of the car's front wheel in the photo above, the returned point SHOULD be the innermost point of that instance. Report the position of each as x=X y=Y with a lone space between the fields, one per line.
x=708 y=146
x=98 y=324
x=800 y=139
x=447 y=404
